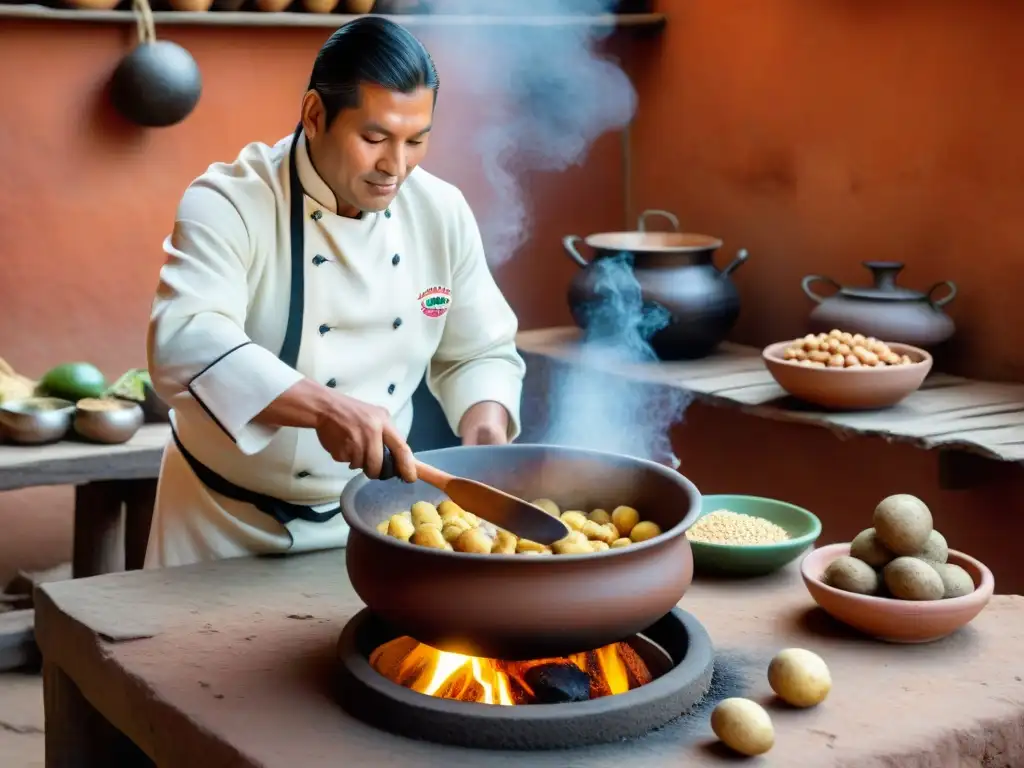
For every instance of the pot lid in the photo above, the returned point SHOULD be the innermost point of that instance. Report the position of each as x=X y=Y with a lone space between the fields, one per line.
x=650 y=242
x=884 y=289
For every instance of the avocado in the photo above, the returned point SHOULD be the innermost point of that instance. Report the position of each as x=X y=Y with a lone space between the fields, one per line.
x=73 y=381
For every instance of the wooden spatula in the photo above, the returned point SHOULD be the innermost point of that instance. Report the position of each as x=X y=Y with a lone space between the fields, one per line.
x=502 y=509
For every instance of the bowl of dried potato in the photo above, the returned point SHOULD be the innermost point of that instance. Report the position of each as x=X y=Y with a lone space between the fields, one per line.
x=847 y=371
x=749 y=535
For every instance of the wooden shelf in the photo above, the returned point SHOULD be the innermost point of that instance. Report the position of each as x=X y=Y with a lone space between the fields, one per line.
x=635 y=21
x=947 y=413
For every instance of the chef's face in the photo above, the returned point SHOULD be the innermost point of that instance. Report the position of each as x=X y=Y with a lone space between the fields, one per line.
x=369 y=150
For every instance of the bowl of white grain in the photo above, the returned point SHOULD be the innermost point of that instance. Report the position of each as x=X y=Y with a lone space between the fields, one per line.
x=749 y=535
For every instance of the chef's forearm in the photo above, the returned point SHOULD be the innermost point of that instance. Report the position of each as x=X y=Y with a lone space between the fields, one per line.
x=301 y=405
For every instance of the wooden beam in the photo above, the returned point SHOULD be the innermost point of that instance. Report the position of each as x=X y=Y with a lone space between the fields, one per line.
x=624 y=21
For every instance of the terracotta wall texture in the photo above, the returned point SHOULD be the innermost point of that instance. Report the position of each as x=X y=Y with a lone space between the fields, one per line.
x=814 y=134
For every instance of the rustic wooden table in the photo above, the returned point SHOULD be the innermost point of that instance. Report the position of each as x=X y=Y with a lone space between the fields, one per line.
x=231 y=664
x=106 y=478
x=115 y=486
x=971 y=423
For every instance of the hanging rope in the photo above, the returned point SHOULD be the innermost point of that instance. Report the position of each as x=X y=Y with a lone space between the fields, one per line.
x=144 y=21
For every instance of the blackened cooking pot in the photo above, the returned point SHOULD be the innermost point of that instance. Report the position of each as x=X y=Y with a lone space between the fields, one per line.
x=515 y=606
x=675 y=272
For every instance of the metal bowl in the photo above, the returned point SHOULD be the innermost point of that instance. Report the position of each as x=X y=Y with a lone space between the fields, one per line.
x=36 y=420
x=117 y=422
x=513 y=606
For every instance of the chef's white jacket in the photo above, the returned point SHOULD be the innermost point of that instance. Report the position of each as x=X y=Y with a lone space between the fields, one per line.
x=374 y=320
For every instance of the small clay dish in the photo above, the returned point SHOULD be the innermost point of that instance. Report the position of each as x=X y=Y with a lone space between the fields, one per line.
x=849 y=389
x=892 y=620
x=755 y=559
x=36 y=420
x=107 y=420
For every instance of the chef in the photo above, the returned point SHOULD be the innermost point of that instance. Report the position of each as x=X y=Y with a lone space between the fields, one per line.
x=308 y=287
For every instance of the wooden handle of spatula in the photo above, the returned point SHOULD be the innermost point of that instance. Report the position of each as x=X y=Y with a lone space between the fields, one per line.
x=428 y=474
x=433 y=476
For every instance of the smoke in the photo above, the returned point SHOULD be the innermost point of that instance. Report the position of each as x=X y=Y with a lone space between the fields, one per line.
x=544 y=95
x=590 y=404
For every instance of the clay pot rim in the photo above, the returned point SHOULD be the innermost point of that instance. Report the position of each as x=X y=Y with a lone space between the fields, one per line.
x=825 y=555
x=773 y=354
x=672 y=242
x=355 y=520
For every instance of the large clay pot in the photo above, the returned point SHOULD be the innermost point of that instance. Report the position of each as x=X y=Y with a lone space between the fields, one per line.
x=883 y=310
x=516 y=607
x=675 y=271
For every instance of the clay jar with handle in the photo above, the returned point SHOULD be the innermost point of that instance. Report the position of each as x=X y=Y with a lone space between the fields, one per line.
x=675 y=270
x=884 y=310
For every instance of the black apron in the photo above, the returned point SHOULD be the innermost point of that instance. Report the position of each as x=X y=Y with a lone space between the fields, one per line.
x=282 y=511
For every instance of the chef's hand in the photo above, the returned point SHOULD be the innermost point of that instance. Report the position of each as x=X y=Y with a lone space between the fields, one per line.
x=485 y=423
x=355 y=433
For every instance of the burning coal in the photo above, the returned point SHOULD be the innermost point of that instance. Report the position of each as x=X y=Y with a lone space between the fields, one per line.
x=607 y=671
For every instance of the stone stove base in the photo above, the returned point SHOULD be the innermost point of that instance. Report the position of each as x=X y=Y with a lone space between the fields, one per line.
x=679 y=685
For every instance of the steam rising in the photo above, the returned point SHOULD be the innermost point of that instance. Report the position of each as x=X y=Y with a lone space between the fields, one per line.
x=544 y=95
x=592 y=407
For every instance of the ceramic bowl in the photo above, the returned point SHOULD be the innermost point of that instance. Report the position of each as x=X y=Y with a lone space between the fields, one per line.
x=36 y=420
x=897 y=621
x=755 y=559
x=107 y=420
x=849 y=389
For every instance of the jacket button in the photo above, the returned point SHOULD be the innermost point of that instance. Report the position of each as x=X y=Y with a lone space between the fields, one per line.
x=316 y=215
x=395 y=259
x=397 y=323
x=301 y=475
x=332 y=383
x=391 y=389
x=318 y=260
x=324 y=329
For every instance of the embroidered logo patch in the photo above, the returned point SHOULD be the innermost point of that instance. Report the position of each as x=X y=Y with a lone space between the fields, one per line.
x=435 y=301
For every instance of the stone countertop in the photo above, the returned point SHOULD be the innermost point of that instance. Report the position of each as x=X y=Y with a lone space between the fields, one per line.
x=231 y=664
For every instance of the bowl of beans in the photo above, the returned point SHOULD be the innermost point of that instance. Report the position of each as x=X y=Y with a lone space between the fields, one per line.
x=749 y=535
x=847 y=371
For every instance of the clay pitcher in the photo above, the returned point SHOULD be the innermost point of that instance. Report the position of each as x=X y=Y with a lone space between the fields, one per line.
x=884 y=310
x=675 y=272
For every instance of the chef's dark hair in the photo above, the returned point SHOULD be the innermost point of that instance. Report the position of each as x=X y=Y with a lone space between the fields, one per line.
x=369 y=49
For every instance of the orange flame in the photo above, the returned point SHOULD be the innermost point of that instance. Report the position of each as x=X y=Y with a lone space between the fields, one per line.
x=611 y=670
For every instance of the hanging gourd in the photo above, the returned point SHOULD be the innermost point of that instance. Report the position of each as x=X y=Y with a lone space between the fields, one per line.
x=158 y=84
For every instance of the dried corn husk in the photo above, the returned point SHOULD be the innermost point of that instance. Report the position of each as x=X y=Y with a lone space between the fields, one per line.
x=14 y=386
